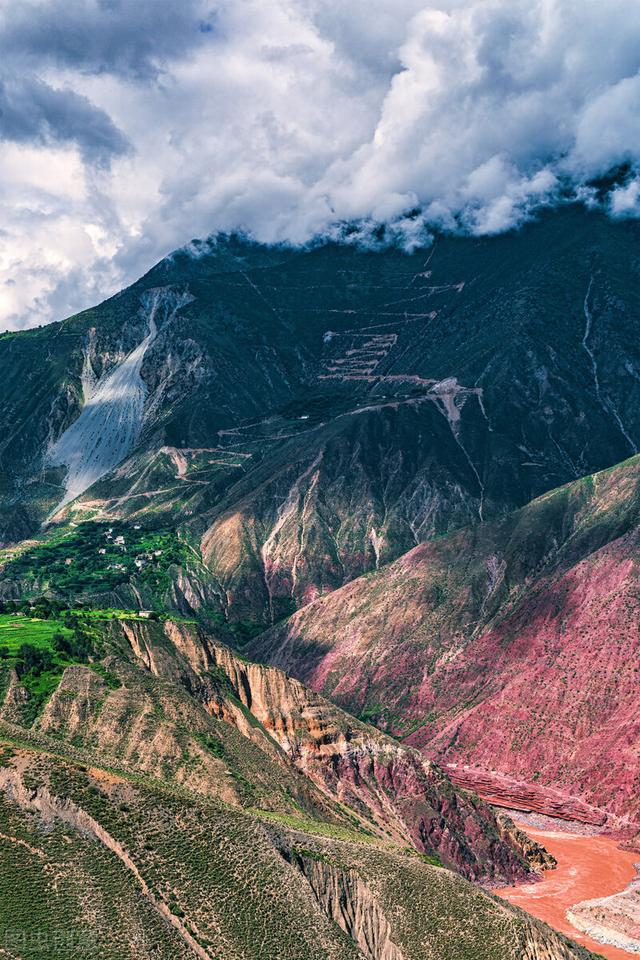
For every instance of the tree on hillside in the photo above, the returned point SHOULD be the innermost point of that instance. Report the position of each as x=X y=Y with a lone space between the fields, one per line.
x=33 y=660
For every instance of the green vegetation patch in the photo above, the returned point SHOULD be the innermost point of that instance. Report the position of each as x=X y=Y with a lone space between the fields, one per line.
x=40 y=649
x=98 y=557
x=320 y=828
x=19 y=629
x=110 y=679
x=211 y=744
x=239 y=633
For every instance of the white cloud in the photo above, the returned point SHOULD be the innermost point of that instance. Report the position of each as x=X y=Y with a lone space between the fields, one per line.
x=131 y=132
x=625 y=201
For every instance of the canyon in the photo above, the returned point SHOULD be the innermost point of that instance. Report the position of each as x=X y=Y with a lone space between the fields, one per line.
x=373 y=513
x=228 y=811
x=481 y=622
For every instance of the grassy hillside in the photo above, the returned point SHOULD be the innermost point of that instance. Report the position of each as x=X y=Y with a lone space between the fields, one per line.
x=142 y=871
x=16 y=629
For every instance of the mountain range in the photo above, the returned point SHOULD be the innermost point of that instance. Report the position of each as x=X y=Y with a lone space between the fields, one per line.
x=409 y=480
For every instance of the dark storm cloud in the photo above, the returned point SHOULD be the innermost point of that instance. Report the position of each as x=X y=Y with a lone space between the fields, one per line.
x=33 y=112
x=129 y=38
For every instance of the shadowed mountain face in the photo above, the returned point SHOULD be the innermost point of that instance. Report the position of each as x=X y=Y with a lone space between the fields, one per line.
x=304 y=416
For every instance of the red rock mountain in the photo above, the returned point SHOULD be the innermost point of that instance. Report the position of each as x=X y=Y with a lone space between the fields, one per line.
x=510 y=648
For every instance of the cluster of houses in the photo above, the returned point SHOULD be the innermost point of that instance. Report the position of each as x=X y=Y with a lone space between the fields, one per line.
x=119 y=541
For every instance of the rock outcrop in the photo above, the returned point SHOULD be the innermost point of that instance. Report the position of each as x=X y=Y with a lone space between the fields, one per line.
x=538 y=858
x=393 y=790
x=614 y=920
x=502 y=791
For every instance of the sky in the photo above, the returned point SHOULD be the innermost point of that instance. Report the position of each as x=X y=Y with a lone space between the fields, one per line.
x=129 y=127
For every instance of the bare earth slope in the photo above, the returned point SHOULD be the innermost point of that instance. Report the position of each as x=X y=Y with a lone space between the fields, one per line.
x=511 y=647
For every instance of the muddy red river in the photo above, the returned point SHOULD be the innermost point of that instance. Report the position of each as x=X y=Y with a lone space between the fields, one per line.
x=588 y=867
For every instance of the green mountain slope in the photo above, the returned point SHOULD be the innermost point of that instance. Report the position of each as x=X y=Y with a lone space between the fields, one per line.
x=311 y=414
x=177 y=877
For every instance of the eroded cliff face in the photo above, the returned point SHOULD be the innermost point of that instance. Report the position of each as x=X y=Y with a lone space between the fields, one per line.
x=300 y=529
x=165 y=727
x=351 y=903
x=395 y=792
x=14 y=701
x=509 y=650
x=363 y=905
x=153 y=728
x=347 y=900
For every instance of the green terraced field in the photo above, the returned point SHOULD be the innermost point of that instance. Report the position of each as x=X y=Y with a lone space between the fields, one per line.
x=16 y=630
x=40 y=676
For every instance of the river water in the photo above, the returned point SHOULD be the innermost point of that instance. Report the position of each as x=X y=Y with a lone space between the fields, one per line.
x=588 y=867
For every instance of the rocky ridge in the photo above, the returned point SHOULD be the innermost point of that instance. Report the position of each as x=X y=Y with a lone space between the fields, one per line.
x=480 y=623
x=393 y=790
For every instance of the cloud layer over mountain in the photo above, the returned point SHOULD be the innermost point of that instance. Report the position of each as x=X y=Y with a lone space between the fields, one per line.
x=128 y=128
